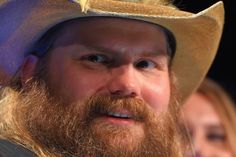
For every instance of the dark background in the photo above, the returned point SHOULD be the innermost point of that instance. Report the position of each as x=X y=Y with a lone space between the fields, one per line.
x=223 y=68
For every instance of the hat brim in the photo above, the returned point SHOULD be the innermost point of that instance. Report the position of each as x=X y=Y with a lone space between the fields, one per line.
x=197 y=35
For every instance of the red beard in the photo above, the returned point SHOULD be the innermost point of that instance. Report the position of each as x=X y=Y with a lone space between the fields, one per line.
x=82 y=130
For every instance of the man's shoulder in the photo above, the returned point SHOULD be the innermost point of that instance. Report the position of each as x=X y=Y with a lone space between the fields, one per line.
x=9 y=149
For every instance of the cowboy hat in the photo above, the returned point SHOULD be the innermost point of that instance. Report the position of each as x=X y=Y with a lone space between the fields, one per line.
x=197 y=35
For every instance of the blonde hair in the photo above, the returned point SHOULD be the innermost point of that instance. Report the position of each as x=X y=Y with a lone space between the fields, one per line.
x=224 y=106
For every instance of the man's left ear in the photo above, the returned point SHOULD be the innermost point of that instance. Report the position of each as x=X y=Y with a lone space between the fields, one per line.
x=28 y=68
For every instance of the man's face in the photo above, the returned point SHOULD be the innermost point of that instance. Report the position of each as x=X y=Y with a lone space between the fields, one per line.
x=111 y=80
x=111 y=57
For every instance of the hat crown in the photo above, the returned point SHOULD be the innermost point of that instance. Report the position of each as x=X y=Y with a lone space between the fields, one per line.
x=151 y=2
x=84 y=3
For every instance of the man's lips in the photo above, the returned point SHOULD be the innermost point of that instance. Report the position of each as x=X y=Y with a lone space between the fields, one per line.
x=120 y=114
x=119 y=117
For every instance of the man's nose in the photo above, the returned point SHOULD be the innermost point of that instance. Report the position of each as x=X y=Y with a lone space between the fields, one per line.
x=124 y=82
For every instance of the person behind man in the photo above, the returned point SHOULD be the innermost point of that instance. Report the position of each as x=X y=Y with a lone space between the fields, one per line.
x=99 y=77
x=210 y=116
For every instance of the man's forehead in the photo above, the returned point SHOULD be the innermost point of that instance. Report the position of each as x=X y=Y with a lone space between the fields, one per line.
x=110 y=31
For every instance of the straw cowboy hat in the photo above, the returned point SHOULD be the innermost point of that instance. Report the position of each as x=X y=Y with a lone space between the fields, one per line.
x=22 y=22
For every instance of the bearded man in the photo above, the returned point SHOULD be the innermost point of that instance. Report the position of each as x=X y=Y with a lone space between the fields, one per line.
x=99 y=77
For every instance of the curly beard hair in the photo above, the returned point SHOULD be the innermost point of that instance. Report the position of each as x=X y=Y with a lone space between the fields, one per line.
x=50 y=127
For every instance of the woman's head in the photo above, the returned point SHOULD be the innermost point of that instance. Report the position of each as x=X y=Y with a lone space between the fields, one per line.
x=210 y=117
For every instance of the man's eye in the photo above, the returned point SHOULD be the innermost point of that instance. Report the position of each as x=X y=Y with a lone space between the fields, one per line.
x=144 y=64
x=95 y=58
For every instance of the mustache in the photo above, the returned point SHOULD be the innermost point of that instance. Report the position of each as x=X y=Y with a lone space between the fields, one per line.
x=128 y=108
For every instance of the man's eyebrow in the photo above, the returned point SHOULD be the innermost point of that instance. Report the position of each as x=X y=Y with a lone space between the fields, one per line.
x=154 y=53
x=99 y=49
x=106 y=50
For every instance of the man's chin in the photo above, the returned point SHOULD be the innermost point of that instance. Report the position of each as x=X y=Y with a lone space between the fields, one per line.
x=114 y=133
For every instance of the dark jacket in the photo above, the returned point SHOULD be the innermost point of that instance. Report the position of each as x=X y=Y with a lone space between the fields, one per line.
x=8 y=149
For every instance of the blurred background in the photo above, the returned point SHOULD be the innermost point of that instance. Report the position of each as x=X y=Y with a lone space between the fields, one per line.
x=223 y=69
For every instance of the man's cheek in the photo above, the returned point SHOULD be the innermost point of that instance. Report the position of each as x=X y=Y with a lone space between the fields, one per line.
x=84 y=88
x=157 y=97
